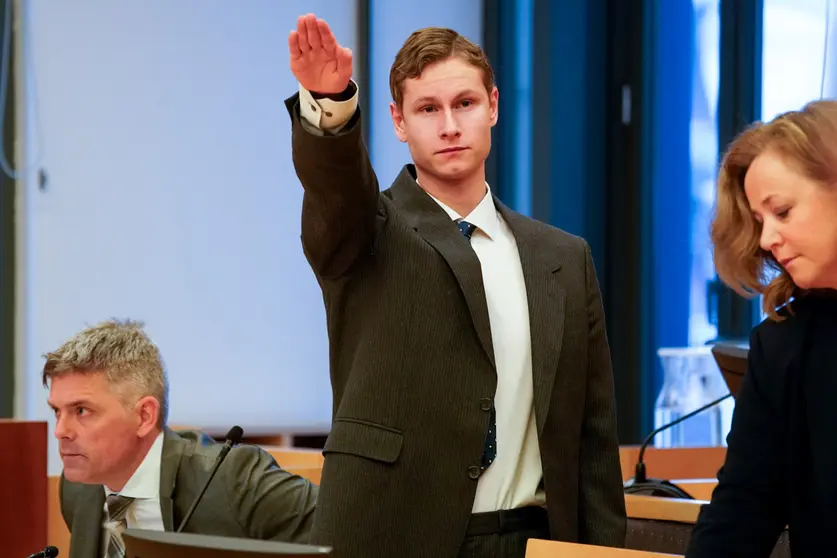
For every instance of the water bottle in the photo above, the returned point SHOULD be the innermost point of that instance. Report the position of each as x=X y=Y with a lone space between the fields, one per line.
x=691 y=379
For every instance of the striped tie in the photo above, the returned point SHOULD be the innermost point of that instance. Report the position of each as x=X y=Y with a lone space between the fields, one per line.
x=490 y=446
x=116 y=524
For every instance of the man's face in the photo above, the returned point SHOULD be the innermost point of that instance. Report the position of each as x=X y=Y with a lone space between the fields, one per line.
x=446 y=118
x=100 y=438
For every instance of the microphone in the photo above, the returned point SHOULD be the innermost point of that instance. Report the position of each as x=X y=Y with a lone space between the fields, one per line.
x=48 y=552
x=641 y=484
x=233 y=437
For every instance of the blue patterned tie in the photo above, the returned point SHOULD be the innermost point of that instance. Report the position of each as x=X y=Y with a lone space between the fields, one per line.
x=466 y=228
x=490 y=448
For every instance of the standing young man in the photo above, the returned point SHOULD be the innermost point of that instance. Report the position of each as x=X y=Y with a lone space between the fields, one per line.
x=473 y=391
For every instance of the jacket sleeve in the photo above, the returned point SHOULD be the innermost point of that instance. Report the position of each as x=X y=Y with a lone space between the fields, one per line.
x=340 y=199
x=747 y=512
x=602 y=518
x=268 y=502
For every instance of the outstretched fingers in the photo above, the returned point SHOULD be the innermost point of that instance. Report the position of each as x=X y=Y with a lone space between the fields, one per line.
x=293 y=45
x=313 y=33
x=302 y=33
x=327 y=37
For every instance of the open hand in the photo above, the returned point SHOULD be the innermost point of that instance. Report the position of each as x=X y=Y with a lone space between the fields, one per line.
x=318 y=62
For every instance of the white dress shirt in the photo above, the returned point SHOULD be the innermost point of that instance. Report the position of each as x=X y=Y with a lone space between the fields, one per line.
x=144 y=486
x=326 y=114
x=513 y=479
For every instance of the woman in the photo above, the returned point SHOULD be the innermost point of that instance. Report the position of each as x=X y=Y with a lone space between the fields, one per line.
x=775 y=233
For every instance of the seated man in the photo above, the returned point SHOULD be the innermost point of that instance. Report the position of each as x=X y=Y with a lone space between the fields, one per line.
x=123 y=468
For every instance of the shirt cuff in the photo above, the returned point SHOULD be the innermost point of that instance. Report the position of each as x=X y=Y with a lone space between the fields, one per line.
x=326 y=114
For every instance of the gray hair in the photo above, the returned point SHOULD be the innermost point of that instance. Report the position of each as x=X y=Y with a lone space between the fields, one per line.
x=122 y=350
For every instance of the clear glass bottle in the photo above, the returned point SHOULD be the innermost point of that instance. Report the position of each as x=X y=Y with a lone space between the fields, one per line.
x=691 y=379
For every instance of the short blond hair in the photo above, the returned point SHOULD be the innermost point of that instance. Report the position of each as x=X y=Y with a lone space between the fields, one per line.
x=428 y=46
x=123 y=352
x=806 y=139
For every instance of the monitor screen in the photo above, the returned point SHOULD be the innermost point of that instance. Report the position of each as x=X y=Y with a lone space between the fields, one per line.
x=732 y=360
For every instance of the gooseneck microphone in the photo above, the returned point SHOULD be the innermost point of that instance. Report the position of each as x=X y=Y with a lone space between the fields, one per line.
x=48 y=552
x=233 y=438
x=641 y=484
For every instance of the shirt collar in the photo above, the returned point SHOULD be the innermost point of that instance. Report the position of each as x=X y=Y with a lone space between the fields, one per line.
x=145 y=482
x=483 y=216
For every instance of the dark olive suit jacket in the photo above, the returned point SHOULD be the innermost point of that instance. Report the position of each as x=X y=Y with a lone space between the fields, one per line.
x=250 y=496
x=411 y=362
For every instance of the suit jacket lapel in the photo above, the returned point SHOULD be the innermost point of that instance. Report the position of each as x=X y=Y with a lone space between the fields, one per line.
x=546 y=307
x=437 y=228
x=172 y=453
x=87 y=523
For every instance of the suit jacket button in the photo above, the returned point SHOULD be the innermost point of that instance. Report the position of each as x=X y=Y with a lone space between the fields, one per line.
x=474 y=472
x=485 y=404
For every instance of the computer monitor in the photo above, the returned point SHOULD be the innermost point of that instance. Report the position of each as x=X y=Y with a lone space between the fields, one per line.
x=732 y=360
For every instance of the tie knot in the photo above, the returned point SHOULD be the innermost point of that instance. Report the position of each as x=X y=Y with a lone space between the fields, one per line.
x=466 y=228
x=117 y=506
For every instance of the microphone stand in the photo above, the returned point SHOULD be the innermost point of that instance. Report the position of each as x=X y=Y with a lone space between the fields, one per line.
x=48 y=552
x=233 y=438
x=641 y=484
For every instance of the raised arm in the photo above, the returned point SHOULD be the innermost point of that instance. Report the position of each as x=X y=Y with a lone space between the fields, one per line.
x=341 y=190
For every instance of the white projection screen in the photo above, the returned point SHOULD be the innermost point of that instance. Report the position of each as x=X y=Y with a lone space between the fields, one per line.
x=169 y=197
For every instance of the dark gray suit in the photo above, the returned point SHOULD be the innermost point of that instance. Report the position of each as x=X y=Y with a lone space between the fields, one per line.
x=250 y=496
x=412 y=362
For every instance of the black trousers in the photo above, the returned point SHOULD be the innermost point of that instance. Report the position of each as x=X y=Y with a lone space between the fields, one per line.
x=503 y=534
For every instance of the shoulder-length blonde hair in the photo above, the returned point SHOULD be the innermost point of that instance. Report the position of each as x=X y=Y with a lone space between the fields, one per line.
x=807 y=140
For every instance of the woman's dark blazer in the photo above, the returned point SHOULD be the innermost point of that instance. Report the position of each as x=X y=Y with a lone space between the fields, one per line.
x=781 y=463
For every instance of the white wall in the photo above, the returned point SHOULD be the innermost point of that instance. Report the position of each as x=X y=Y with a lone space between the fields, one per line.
x=171 y=198
x=391 y=23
